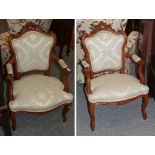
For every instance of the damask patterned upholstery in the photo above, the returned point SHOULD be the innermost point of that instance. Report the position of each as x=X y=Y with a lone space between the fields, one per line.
x=32 y=51
x=115 y=87
x=105 y=50
x=38 y=93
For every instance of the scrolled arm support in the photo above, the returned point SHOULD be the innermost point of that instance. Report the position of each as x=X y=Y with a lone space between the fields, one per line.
x=140 y=71
x=86 y=72
x=66 y=72
x=10 y=80
x=140 y=63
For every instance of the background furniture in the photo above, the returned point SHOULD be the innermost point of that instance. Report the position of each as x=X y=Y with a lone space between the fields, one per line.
x=4 y=113
x=30 y=92
x=132 y=25
x=147 y=51
x=63 y=28
x=104 y=55
x=145 y=48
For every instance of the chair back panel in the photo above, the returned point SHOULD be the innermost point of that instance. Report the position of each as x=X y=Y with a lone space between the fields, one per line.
x=32 y=50
x=105 y=50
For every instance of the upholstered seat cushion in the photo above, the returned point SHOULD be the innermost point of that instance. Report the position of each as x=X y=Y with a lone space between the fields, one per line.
x=115 y=87
x=38 y=93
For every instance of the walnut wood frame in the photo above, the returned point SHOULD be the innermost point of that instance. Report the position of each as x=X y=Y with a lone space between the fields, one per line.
x=10 y=77
x=89 y=74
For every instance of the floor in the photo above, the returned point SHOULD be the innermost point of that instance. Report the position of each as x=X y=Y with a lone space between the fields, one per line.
x=115 y=120
x=49 y=124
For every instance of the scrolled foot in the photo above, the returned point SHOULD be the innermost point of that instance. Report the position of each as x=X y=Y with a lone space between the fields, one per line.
x=91 y=107
x=64 y=112
x=13 y=126
x=92 y=125
x=13 y=119
x=143 y=107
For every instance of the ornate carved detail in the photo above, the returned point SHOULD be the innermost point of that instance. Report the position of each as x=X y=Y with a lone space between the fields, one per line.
x=28 y=27
x=103 y=26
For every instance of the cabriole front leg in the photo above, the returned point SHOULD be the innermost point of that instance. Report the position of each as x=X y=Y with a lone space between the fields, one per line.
x=91 y=107
x=66 y=108
x=13 y=119
x=143 y=107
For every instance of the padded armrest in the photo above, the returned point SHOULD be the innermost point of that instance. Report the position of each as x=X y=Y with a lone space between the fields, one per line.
x=85 y=64
x=135 y=58
x=63 y=64
x=132 y=42
x=9 y=68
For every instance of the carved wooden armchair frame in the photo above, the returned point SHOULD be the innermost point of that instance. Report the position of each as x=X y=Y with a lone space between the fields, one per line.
x=13 y=72
x=89 y=74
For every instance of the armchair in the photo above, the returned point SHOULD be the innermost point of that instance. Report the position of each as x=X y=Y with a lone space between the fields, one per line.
x=29 y=91
x=104 y=70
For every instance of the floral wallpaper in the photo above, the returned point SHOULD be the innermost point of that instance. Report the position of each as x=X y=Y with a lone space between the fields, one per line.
x=86 y=25
x=15 y=26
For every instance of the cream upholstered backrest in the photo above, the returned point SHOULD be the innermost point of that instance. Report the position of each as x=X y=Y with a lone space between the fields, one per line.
x=105 y=50
x=32 y=51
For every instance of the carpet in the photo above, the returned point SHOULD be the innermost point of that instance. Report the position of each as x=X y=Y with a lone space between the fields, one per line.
x=115 y=120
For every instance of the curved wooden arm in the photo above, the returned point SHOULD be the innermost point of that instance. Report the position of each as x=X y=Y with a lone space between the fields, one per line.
x=140 y=71
x=10 y=87
x=65 y=79
x=66 y=72
x=86 y=72
x=140 y=63
x=9 y=77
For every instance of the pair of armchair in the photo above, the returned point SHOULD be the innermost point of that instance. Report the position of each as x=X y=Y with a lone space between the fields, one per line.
x=31 y=89
x=104 y=70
